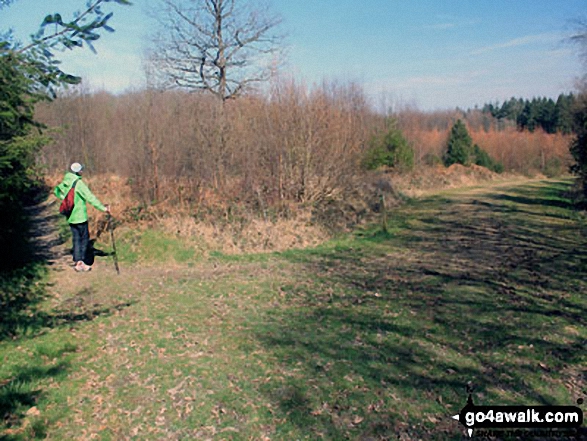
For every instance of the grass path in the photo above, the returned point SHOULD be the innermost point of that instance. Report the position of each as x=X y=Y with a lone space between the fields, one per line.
x=373 y=336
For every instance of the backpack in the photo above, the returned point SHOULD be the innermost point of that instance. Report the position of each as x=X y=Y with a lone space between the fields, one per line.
x=67 y=204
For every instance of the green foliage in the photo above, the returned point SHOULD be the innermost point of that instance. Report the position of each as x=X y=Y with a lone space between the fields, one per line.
x=459 y=146
x=541 y=113
x=28 y=75
x=389 y=149
x=579 y=145
x=553 y=167
x=483 y=159
x=83 y=29
x=460 y=150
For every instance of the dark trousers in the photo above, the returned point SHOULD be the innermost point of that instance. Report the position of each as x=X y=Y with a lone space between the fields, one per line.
x=81 y=240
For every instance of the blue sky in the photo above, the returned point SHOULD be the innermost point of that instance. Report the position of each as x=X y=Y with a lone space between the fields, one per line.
x=434 y=54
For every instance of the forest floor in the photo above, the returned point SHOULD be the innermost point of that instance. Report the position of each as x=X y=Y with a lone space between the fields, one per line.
x=374 y=335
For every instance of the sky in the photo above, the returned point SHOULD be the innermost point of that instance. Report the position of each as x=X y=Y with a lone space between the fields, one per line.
x=428 y=54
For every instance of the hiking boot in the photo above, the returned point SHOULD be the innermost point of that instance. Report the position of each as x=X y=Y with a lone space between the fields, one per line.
x=82 y=267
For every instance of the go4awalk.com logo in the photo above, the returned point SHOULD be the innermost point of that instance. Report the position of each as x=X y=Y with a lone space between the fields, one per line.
x=519 y=417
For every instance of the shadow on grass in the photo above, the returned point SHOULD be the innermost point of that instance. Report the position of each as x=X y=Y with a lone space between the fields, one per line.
x=19 y=397
x=23 y=274
x=23 y=288
x=381 y=338
x=23 y=270
x=553 y=194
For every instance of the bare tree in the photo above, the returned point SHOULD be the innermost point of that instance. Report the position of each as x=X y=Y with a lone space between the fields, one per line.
x=579 y=37
x=221 y=46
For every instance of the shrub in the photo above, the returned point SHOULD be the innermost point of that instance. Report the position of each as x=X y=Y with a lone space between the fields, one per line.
x=431 y=159
x=483 y=159
x=390 y=149
x=553 y=168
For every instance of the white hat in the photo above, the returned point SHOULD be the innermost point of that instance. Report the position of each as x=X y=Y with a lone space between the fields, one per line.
x=76 y=167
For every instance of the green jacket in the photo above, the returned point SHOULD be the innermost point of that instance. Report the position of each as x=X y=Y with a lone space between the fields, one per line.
x=82 y=195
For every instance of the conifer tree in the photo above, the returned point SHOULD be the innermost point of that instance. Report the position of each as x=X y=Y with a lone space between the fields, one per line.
x=579 y=144
x=459 y=146
x=28 y=74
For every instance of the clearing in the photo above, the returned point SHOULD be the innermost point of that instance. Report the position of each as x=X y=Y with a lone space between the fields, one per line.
x=372 y=336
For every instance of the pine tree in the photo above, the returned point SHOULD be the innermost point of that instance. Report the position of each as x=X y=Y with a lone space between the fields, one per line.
x=459 y=146
x=579 y=144
x=528 y=119
x=563 y=113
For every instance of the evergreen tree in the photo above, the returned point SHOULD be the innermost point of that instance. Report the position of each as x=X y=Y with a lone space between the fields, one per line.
x=578 y=147
x=542 y=113
x=528 y=117
x=459 y=146
x=512 y=109
x=29 y=74
x=579 y=144
x=483 y=159
x=390 y=149
x=563 y=114
x=546 y=115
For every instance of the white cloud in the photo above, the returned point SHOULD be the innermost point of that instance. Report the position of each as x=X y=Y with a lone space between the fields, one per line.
x=546 y=38
x=439 y=26
x=446 y=22
x=448 y=80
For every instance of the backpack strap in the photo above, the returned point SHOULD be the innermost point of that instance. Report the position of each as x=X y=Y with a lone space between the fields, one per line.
x=74 y=184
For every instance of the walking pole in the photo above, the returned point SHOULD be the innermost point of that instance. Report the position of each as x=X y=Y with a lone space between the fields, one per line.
x=114 y=255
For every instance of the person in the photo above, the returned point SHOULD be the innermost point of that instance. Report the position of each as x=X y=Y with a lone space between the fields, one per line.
x=78 y=220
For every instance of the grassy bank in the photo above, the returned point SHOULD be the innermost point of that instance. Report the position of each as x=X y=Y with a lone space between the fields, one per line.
x=373 y=336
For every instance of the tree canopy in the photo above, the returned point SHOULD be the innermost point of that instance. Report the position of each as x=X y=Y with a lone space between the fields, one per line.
x=544 y=113
x=220 y=46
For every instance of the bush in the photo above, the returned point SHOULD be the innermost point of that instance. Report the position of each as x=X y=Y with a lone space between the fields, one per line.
x=390 y=149
x=483 y=159
x=430 y=159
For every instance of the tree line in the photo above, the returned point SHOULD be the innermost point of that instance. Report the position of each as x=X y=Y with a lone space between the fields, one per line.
x=544 y=113
x=292 y=143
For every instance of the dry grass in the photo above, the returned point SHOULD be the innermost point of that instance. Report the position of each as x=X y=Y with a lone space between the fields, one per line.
x=218 y=230
x=217 y=225
x=256 y=235
x=426 y=180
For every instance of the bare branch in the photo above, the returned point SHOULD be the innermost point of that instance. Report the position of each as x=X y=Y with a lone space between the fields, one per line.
x=216 y=45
